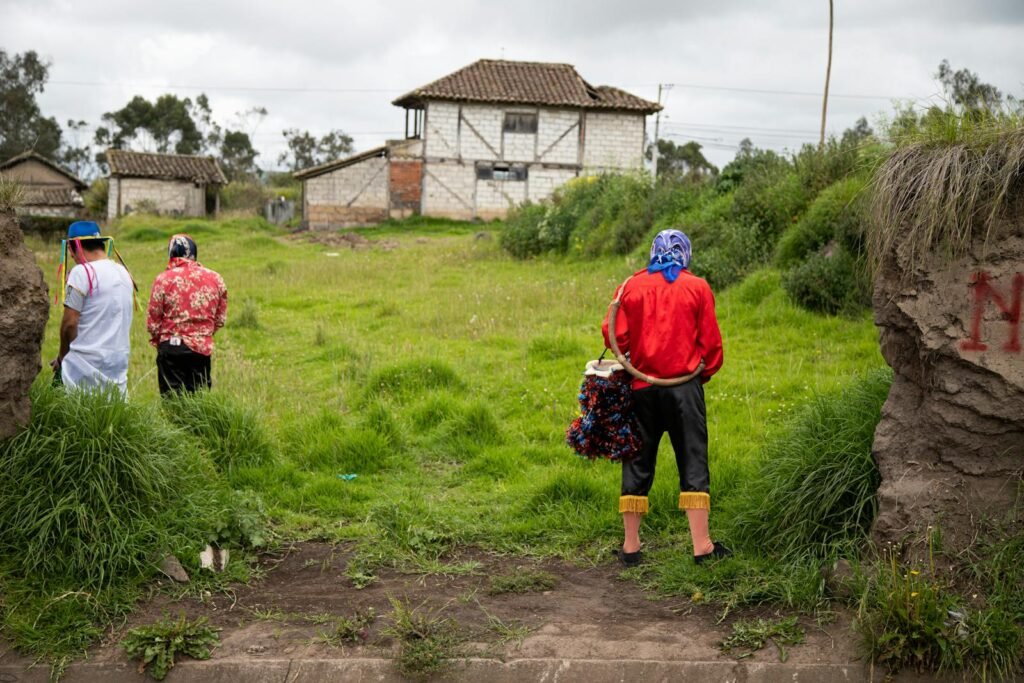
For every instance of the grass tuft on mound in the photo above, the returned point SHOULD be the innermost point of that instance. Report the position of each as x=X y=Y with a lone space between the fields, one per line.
x=93 y=489
x=410 y=378
x=815 y=493
x=231 y=432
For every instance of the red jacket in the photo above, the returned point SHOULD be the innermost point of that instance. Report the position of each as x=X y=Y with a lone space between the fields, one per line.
x=667 y=328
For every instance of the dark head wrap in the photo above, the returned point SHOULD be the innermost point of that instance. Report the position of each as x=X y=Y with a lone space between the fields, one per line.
x=182 y=246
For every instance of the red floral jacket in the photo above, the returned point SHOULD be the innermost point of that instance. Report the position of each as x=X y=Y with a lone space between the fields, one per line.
x=188 y=301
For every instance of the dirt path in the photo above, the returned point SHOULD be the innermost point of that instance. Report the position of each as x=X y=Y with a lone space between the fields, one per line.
x=589 y=614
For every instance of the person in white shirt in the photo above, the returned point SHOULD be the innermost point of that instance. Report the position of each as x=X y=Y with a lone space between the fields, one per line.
x=97 y=318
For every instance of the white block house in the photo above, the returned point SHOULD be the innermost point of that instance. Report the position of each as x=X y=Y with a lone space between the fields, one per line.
x=482 y=139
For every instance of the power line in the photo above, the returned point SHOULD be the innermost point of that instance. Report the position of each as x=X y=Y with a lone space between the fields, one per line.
x=769 y=91
x=240 y=88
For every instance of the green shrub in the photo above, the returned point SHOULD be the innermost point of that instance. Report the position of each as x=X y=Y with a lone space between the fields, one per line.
x=231 y=432
x=243 y=196
x=828 y=283
x=815 y=494
x=96 y=198
x=49 y=228
x=771 y=203
x=95 y=488
x=521 y=235
x=837 y=213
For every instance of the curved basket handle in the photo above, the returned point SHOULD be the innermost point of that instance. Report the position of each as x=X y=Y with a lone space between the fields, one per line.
x=613 y=312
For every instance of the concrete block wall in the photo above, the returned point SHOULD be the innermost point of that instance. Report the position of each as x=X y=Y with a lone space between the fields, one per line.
x=544 y=181
x=495 y=197
x=448 y=189
x=558 y=136
x=613 y=141
x=441 y=131
x=113 y=187
x=480 y=132
x=349 y=195
x=170 y=197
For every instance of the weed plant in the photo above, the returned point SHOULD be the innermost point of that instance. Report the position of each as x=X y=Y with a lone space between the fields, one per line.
x=426 y=643
x=522 y=580
x=156 y=646
x=750 y=635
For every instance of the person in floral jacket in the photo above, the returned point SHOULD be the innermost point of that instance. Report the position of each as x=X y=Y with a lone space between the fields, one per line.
x=189 y=303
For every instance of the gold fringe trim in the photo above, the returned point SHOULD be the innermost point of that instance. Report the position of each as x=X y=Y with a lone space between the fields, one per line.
x=633 y=504
x=691 y=500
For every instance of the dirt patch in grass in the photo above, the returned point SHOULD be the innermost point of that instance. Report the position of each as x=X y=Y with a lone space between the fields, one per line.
x=306 y=605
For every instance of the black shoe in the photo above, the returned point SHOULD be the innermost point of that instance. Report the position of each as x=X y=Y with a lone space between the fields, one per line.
x=718 y=553
x=629 y=559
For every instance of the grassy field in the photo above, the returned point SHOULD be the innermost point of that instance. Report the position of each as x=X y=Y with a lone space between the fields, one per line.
x=443 y=374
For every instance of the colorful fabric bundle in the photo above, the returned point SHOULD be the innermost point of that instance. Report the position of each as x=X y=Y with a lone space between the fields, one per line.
x=606 y=427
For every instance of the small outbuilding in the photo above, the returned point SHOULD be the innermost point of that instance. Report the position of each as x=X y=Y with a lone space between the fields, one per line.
x=49 y=189
x=168 y=184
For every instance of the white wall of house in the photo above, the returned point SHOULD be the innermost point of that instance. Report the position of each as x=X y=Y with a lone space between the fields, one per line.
x=449 y=189
x=171 y=197
x=613 y=141
x=458 y=136
x=350 y=195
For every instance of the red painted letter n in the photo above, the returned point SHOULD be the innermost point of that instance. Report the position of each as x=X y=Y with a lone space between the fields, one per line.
x=983 y=291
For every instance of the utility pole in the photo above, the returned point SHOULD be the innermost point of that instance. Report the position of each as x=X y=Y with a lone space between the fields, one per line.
x=828 y=75
x=657 y=127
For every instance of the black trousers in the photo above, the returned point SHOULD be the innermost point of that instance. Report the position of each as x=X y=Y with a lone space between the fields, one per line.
x=179 y=368
x=680 y=411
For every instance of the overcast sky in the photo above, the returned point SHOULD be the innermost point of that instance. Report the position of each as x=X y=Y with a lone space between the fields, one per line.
x=739 y=68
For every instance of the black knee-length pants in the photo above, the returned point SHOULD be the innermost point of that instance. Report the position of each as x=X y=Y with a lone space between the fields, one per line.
x=680 y=411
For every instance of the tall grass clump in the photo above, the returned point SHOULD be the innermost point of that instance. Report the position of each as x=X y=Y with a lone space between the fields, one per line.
x=949 y=180
x=815 y=493
x=11 y=194
x=231 y=432
x=94 y=489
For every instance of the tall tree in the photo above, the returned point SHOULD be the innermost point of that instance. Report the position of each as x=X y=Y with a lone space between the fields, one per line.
x=76 y=154
x=168 y=124
x=305 y=149
x=686 y=159
x=237 y=156
x=22 y=125
x=966 y=90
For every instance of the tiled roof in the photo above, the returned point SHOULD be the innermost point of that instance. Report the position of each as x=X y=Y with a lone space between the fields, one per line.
x=39 y=195
x=537 y=83
x=35 y=156
x=320 y=169
x=166 y=166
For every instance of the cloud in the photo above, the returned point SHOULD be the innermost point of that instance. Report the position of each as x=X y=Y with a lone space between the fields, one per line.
x=283 y=55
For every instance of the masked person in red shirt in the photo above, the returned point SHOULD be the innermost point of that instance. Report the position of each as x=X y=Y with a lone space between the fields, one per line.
x=666 y=324
x=188 y=305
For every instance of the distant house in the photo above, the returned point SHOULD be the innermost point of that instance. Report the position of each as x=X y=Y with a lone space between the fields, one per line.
x=170 y=184
x=49 y=189
x=480 y=140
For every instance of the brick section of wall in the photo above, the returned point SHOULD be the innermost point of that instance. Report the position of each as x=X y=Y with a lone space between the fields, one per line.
x=487 y=122
x=348 y=195
x=550 y=127
x=441 y=135
x=448 y=190
x=170 y=197
x=406 y=182
x=544 y=181
x=613 y=141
